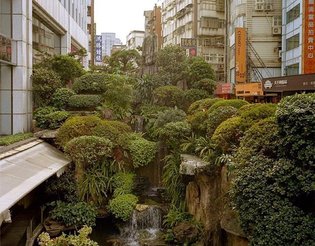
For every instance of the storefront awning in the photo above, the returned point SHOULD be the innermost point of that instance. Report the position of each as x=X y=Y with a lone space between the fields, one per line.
x=24 y=169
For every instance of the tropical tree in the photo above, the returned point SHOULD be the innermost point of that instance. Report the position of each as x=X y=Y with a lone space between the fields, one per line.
x=123 y=62
x=171 y=63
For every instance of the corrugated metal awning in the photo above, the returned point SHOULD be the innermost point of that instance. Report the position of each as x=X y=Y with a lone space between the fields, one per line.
x=24 y=169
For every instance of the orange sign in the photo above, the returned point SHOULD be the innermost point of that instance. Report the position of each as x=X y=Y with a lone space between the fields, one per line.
x=240 y=55
x=309 y=37
x=249 y=89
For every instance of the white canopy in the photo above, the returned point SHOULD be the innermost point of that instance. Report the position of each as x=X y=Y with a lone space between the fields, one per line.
x=24 y=169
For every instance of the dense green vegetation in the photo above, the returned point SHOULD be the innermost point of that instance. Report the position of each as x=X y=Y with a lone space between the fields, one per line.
x=268 y=148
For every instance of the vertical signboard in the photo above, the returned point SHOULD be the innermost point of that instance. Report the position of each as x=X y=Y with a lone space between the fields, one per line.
x=240 y=55
x=309 y=36
x=98 y=48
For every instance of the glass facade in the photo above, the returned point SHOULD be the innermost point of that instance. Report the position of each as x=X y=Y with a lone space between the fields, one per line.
x=45 y=41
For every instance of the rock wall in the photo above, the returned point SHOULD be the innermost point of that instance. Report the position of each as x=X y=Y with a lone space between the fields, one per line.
x=206 y=201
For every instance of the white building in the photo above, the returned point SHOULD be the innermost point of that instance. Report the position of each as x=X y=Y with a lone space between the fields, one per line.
x=28 y=28
x=109 y=39
x=135 y=39
x=298 y=35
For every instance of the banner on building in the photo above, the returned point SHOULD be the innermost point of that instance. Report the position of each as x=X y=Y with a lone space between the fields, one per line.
x=240 y=55
x=309 y=36
x=98 y=48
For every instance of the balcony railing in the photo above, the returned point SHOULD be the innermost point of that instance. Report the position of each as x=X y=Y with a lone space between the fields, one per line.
x=5 y=48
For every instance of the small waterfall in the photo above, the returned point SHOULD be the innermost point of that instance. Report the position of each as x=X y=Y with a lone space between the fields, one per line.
x=143 y=226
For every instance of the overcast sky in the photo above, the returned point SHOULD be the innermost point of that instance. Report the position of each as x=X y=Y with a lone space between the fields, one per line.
x=121 y=16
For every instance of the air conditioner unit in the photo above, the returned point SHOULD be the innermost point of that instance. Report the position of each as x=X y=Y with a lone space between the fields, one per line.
x=276 y=30
x=280 y=54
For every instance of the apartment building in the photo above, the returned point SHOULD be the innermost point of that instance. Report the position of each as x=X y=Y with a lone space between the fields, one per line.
x=27 y=29
x=152 y=42
x=262 y=24
x=109 y=39
x=199 y=27
x=298 y=34
x=135 y=39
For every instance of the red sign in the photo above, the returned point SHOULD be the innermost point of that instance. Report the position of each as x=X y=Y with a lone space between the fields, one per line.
x=225 y=88
x=309 y=37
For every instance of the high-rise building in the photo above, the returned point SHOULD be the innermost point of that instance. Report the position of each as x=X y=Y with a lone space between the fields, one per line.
x=109 y=39
x=153 y=39
x=27 y=29
x=135 y=39
x=259 y=23
x=298 y=37
x=199 y=27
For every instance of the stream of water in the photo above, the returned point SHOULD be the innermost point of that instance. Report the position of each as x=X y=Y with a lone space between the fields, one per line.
x=144 y=228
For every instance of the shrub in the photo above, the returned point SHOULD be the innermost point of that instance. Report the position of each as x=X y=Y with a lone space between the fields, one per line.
x=236 y=103
x=67 y=67
x=197 y=122
x=169 y=96
x=167 y=116
x=119 y=97
x=207 y=85
x=123 y=183
x=84 y=101
x=150 y=111
x=63 y=187
x=217 y=116
x=262 y=138
x=74 y=214
x=142 y=151
x=295 y=116
x=264 y=193
x=121 y=127
x=55 y=119
x=40 y=116
x=88 y=150
x=61 y=97
x=75 y=127
x=122 y=206
x=91 y=83
x=193 y=95
x=45 y=82
x=227 y=135
x=199 y=69
x=202 y=105
x=172 y=133
x=111 y=130
x=258 y=112
x=68 y=240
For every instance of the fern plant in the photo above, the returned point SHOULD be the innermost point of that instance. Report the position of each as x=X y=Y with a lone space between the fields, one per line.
x=172 y=179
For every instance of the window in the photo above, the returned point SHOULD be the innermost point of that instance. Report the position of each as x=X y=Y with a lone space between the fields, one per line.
x=293 y=14
x=293 y=42
x=292 y=69
x=215 y=23
x=277 y=20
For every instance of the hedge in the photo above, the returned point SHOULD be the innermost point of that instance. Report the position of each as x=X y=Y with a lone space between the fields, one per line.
x=91 y=83
x=84 y=101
